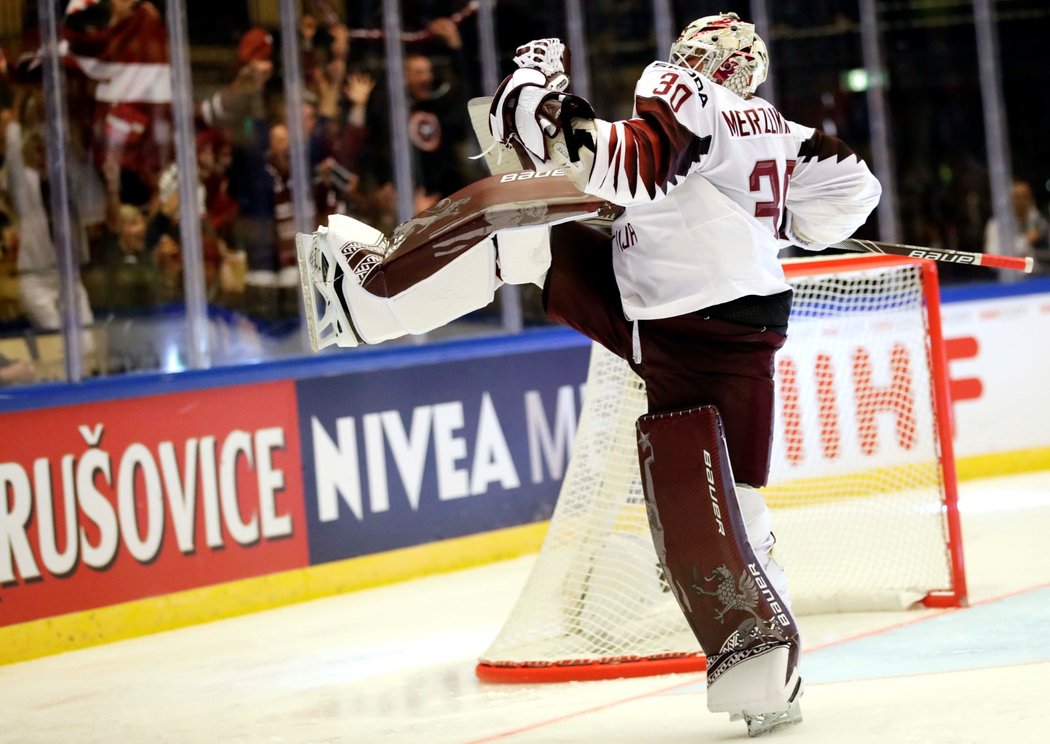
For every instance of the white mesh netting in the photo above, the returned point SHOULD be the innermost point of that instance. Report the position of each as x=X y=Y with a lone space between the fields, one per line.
x=856 y=488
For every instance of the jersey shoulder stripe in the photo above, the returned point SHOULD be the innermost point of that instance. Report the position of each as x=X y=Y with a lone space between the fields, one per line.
x=821 y=146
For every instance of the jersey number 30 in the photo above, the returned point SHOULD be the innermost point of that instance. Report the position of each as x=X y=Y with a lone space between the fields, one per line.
x=680 y=93
x=767 y=169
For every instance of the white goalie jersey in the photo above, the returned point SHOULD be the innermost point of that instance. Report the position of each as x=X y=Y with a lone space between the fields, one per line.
x=714 y=186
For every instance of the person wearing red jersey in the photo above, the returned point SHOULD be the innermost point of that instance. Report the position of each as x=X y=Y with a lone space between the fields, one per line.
x=708 y=182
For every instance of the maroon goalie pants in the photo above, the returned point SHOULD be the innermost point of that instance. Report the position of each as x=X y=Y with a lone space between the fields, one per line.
x=686 y=361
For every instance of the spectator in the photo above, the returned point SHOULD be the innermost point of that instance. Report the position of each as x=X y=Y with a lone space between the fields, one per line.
x=1031 y=238
x=339 y=48
x=240 y=103
x=239 y=109
x=328 y=83
x=16 y=371
x=27 y=182
x=8 y=236
x=163 y=239
x=316 y=135
x=124 y=280
x=436 y=130
x=225 y=282
x=10 y=307
x=358 y=91
x=278 y=166
x=380 y=207
x=307 y=36
x=336 y=177
x=127 y=57
x=223 y=267
x=213 y=163
x=356 y=170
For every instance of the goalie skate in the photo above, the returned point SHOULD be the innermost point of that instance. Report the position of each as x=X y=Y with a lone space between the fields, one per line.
x=322 y=271
x=318 y=274
x=765 y=723
x=763 y=682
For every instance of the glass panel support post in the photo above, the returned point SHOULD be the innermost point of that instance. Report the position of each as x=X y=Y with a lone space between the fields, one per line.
x=663 y=28
x=199 y=343
x=1000 y=171
x=401 y=148
x=292 y=70
x=581 y=79
x=878 y=121
x=511 y=317
x=303 y=212
x=764 y=28
x=65 y=237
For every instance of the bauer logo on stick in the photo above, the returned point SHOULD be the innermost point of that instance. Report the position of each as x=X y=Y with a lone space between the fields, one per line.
x=959 y=258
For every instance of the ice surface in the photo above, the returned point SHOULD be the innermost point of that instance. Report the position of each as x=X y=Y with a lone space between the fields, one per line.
x=396 y=664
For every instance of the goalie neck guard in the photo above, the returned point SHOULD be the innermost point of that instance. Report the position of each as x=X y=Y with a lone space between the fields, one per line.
x=725 y=49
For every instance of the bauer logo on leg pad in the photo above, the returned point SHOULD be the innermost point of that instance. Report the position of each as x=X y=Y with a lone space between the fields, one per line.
x=772 y=600
x=712 y=491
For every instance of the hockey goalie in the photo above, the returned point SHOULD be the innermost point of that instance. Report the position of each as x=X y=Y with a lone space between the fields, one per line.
x=703 y=186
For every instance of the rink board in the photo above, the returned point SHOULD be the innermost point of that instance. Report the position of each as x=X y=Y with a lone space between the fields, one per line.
x=140 y=504
x=127 y=512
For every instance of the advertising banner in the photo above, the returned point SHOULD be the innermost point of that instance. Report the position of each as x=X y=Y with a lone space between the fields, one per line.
x=114 y=501
x=111 y=501
x=999 y=364
x=415 y=454
x=853 y=394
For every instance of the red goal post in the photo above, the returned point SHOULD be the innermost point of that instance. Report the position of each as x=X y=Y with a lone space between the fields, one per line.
x=863 y=488
x=941 y=399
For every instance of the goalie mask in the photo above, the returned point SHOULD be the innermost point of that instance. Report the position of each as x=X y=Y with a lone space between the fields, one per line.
x=725 y=49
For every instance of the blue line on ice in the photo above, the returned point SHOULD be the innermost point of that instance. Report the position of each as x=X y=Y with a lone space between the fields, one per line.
x=1000 y=633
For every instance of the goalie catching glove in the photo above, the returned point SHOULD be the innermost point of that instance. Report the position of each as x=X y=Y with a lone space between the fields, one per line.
x=531 y=113
x=549 y=56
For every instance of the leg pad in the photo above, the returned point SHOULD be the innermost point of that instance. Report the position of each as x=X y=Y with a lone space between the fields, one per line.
x=744 y=626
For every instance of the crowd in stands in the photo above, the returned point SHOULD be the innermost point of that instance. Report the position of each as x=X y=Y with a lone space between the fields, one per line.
x=125 y=202
x=124 y=181
x=1031 y=232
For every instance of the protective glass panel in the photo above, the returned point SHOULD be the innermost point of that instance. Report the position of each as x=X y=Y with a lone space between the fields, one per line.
x=245 y=191
x=620 y=44
x=1024 y=25
x=351 y=145
x=118 y=137
x=815 y=53
x=937 y=126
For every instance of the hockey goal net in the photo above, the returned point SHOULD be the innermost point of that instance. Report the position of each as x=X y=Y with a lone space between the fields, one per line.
x=862 y=487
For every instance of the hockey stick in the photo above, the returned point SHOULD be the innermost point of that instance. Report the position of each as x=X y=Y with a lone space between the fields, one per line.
x=502 y=159
x=941 y=255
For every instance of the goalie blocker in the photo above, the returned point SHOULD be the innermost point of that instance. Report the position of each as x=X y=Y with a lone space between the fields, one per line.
x=701 y=537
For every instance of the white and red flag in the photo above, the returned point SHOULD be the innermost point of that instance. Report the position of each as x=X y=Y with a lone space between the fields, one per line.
x=129 y=62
